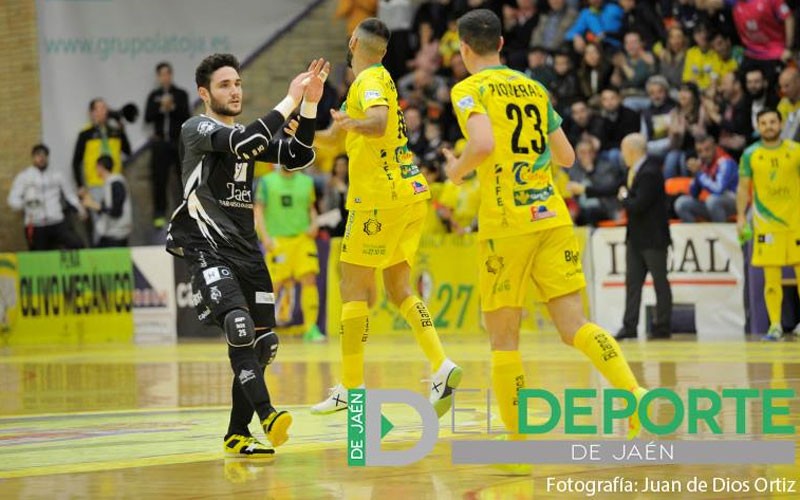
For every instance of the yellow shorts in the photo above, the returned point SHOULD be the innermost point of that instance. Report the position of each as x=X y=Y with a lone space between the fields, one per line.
x=776 y=249
x=384 y=237
x=550 y=258
x=292 y=257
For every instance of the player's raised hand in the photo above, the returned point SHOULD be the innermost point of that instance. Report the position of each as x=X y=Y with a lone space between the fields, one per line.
x=299 y=84
x=315 y=86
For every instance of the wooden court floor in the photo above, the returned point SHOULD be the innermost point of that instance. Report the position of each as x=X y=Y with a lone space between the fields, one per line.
x=147 y=421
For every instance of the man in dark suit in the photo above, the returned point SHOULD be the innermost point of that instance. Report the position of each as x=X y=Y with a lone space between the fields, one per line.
x=647 y=238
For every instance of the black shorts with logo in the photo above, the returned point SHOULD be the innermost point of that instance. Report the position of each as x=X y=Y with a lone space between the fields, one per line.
x=221 y=284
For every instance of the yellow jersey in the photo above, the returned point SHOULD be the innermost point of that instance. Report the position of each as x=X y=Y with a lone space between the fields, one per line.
x=699 y=67
x=382 y=170
x=518 y=195
x=775 y=173
x=786 y=108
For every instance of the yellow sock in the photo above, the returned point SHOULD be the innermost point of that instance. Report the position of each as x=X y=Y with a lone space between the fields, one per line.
x=604 y=352
x=355 y=328
x=773 y=294
x=508 y=378
x=416 y=314
x=309 y=303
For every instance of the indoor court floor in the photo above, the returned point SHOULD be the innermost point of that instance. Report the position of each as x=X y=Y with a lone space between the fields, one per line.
x=147 y=421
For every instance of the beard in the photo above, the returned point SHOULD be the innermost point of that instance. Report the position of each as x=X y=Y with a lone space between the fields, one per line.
x=758 y=95
x=222 y=109
x=349 y=58
x=771 y=136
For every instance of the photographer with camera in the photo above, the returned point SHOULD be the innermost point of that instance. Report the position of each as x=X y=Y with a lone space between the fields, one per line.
x=105 y=135
x=38 y=192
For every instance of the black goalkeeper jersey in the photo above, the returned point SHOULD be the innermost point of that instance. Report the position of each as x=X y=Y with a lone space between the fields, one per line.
x=216 y=215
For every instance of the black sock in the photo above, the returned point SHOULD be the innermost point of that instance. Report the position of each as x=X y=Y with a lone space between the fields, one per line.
x=241 y=411
x=249 y=375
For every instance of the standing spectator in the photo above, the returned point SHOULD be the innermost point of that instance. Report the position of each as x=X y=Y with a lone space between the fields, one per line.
x=553 y=25
x=715 y=177
x=417 y=142
x=770 y=169
x=449 y=43
x=594 y=73
x=766 y=29
x=618 y=122
x=583 y=124
x=166 y=109
x=434 y=13
x=335 y=194
x=398 y=16
x=789 y=104
x=518 y=25
x=99 y=138
x=423 y=89
x=632 y=69
x=700 y=59
x=355 y=11
x=600 y=21
x=538 y=69
x=114 y=219
x=640 y=17
x=647 y=238
x=564 y=90
x=672 y=59
x=657 y=117
x=38 y=191
x=595 y=182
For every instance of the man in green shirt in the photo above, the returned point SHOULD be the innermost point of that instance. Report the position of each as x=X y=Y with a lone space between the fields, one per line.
x=285 y=219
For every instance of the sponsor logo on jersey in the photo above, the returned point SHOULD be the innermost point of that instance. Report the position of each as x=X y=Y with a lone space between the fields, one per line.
x=541 y=212
x=466 y=102
x=265 y=298
x=419 y=187
x=216 y=295
x=372 y=226
x=205 y=127
x=494 y=264
x=371 y=94
x=240 y=172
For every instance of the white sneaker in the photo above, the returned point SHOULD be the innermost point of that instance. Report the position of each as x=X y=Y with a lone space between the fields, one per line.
x=336 y=401
x=446 y=378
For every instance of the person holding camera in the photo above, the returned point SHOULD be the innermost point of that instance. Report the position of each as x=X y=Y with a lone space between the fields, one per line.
x=38 y=191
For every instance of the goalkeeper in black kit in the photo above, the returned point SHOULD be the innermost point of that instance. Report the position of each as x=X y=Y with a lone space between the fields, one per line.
x=213 y=230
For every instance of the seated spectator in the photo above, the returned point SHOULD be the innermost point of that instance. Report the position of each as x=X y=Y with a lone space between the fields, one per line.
x=683 y=13
x=434 y=141
x=595 y=184
x=688 y=120
x=788 y=107
x=37 y=191
x=583 y=125
x=600 y=21
x=435 y=14
x=114 y=221
x=716 y=175
x=594 y=73
x=640 y=17
x=632 y=68
x=518 y=25
x=427 y=57
x=700 y=59
x=618 y=121
x=725 y=62
x=732 y=116
x=417 y=143
x=538 y=69
x=434 y=220
x=423 y=89
x=757 y=96
x=673 y=58
x=334 y=196
x=462 y=203
x=553 y=25
x=449 y=43
x=657 y=117
x=564 y=90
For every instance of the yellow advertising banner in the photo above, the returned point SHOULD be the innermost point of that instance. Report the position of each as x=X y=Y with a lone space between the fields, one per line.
x=445 y=276
x=70 y=297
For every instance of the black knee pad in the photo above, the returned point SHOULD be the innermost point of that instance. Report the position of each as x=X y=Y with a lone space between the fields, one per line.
x=239 y=328
x=266 y=347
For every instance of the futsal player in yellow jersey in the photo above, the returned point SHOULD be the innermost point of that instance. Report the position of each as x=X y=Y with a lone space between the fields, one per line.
x=771 y=167
x=514 y=138
x=387 y=202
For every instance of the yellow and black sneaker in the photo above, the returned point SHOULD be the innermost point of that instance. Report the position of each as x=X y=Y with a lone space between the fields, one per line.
x=276 y=427
x=239 y=446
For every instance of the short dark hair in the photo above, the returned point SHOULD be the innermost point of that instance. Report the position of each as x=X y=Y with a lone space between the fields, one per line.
x=93 y=102
x=703 y=137
x=767 y=111
x=40 y=148
x=481 y=30
x=202 y=75
x=162 y=65
x=106 y=162
x=376 y=27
